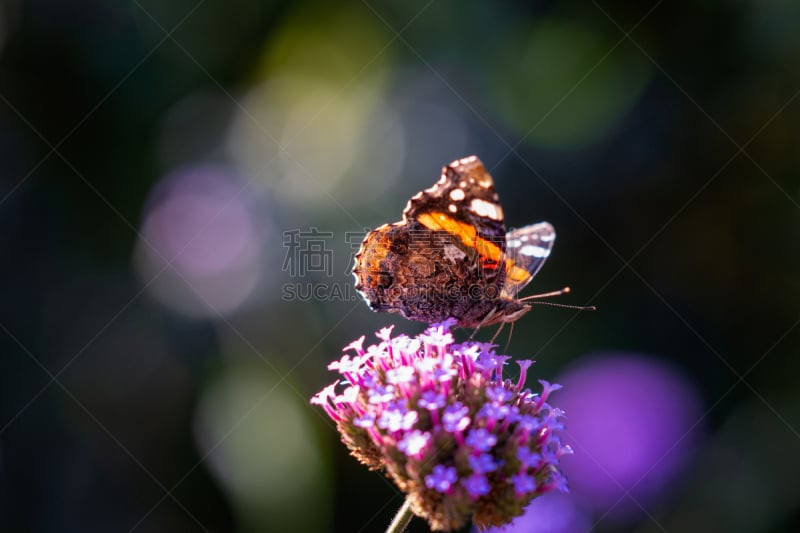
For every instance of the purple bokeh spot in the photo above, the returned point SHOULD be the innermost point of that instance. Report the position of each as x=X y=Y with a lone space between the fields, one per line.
x=198 y=218
x=631 y=421
x=550 y=513
x=199 y=251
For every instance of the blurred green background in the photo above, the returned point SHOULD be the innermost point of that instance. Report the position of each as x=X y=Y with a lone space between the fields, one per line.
x=175 y=176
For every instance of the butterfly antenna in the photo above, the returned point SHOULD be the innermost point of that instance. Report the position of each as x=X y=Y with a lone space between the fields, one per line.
x=565 y=306
x=565 y=290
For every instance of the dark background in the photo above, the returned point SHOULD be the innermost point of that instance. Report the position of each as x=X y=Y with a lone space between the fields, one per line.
x=157 y=157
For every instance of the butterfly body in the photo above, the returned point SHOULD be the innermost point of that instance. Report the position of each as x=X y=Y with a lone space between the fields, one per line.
x=450 y=255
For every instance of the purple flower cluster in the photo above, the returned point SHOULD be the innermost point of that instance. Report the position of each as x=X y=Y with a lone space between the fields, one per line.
x=439 y=418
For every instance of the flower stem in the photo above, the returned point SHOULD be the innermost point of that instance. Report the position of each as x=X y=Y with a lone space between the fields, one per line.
x=401 y=519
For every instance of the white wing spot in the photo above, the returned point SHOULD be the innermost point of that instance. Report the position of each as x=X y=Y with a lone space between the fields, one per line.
x=547 y=237
x=454 y=254
x=452 y=208
x=457 y=195
x=534 y=251
x=463 y=184
x=486 y=209
x=514 y=243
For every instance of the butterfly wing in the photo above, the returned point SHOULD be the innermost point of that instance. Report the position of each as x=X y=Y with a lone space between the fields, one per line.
x=527 y=249
x=461 y=215
x=464 y=203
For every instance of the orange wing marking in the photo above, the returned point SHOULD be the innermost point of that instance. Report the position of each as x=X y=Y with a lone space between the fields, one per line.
x=489 y=252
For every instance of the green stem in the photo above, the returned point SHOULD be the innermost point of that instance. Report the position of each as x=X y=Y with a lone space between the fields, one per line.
x=401 y=519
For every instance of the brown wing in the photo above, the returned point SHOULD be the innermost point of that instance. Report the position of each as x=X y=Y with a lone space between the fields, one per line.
x=465 y=193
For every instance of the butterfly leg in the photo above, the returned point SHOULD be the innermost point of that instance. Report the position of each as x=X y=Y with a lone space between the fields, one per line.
x=474 y=332
x=482 y=322
x=497 y=333
x=508 y=342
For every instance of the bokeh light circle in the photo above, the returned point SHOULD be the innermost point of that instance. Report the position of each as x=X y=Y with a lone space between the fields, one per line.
x=199 y=250
x=303 y=126
x=632 y=420
x=565 y=85
x=258 y=440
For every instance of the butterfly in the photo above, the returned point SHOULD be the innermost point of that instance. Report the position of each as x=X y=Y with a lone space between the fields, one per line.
x=450 y=256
